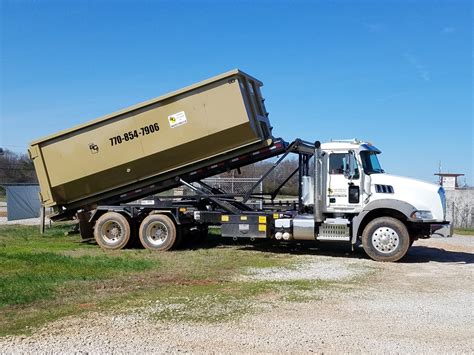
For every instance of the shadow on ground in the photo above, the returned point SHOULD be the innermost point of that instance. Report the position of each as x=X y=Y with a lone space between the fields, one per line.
x=424 y=254
x=416 y=254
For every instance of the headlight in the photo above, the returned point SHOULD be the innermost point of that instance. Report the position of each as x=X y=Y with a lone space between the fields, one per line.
x=422 y=215
x=442 y=196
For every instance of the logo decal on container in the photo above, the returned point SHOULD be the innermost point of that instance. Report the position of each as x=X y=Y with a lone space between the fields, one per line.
x=94 y=148
x=177 y=119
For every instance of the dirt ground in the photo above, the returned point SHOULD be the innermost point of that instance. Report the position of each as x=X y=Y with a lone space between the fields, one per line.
x=423 y=304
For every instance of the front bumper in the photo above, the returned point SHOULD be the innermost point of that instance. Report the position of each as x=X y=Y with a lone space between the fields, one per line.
x=444 y=230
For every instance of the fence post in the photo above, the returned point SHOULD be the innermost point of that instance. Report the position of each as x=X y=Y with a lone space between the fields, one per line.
x=42 y=218
x=453 y=214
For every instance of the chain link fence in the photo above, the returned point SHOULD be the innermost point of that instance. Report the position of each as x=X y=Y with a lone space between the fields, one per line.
x=230 y=185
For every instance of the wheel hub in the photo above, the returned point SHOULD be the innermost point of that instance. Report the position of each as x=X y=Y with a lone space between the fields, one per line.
x=157 y=233
x=385 y=240
x=115 y=232
x=111 y=232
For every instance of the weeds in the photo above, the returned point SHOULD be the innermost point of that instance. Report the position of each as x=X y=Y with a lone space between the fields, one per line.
x=464 y=231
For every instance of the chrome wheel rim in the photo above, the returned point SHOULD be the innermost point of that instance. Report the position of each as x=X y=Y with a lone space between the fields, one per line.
x=157 y=233
x=385 y=240
x=112 y=232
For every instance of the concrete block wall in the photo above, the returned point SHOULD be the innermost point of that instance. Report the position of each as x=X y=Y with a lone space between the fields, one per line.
x=461 y=202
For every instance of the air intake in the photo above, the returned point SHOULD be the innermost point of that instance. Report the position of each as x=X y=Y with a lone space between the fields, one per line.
x=384 y=189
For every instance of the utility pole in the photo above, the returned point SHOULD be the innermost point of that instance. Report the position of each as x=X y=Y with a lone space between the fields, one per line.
x=439 y=172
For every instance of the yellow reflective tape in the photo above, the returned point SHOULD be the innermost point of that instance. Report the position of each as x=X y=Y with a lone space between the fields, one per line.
x=243 y=218
x=224 y=218
x=262 y=219
x=276 y=216
x=262 y=227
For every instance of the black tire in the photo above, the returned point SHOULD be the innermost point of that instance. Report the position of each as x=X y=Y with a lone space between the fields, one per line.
x=158 y=232
x=386 y=239
x=112 y=231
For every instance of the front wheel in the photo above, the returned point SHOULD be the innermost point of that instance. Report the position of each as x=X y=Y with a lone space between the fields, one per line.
x=158 y=232
x=386 y=239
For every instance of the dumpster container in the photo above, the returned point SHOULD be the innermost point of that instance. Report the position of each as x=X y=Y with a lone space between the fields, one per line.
x=209 y=119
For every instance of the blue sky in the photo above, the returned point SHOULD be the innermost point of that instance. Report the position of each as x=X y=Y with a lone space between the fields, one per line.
x=396 y=73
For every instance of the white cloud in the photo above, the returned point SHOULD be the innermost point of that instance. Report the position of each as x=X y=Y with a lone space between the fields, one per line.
x=423 y=73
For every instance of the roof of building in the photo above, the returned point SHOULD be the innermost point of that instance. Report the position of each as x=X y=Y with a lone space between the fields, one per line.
x=449 y=174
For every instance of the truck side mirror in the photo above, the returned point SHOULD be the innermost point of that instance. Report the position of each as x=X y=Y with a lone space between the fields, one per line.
x=350 y=165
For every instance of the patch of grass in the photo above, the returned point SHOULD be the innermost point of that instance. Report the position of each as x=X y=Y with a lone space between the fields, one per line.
x=212 y=302
x=29 y=276
x=217 y=302
x=206 y=303
x=464 y=231
x=18 y=238
x=46 y=277
x=302 y=297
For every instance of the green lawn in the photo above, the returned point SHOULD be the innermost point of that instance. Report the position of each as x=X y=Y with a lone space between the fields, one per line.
x=464 y=231
x=43 y=278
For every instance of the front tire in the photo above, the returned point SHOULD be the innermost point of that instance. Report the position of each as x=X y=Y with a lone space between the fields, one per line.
x=158 y=232
x=386 y=239
x=112 y=231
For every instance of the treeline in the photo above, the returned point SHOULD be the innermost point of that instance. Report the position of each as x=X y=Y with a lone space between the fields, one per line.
x=18 y=168
x=276 y=177
x=15 y=168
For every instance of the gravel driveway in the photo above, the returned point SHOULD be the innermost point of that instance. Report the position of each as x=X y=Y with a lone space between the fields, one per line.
x=421 y=305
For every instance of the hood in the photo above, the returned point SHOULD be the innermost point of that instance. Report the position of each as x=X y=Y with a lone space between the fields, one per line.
x=422 y=195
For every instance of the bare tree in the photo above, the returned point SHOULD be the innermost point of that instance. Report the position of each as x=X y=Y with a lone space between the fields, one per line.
x=16 y=168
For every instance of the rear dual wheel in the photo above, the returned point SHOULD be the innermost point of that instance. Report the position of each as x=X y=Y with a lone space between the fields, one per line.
x=158 y=232
x=112 y=231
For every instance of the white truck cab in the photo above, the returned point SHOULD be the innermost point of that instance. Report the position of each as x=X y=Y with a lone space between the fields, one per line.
x=356 y=200
x=346 y=196
x=356 y=163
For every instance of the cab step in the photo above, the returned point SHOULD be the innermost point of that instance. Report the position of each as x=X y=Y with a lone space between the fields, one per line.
x=334 y=229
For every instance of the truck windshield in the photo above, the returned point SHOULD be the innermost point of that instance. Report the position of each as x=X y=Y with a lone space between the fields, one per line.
x=370 y=163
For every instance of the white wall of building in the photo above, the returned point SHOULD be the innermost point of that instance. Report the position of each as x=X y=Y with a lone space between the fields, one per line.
x=462 y=202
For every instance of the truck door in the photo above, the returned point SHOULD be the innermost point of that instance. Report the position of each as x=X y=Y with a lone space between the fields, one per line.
x=343 y=181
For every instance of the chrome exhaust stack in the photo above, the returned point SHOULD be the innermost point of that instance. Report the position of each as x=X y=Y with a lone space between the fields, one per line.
x=318 y=183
